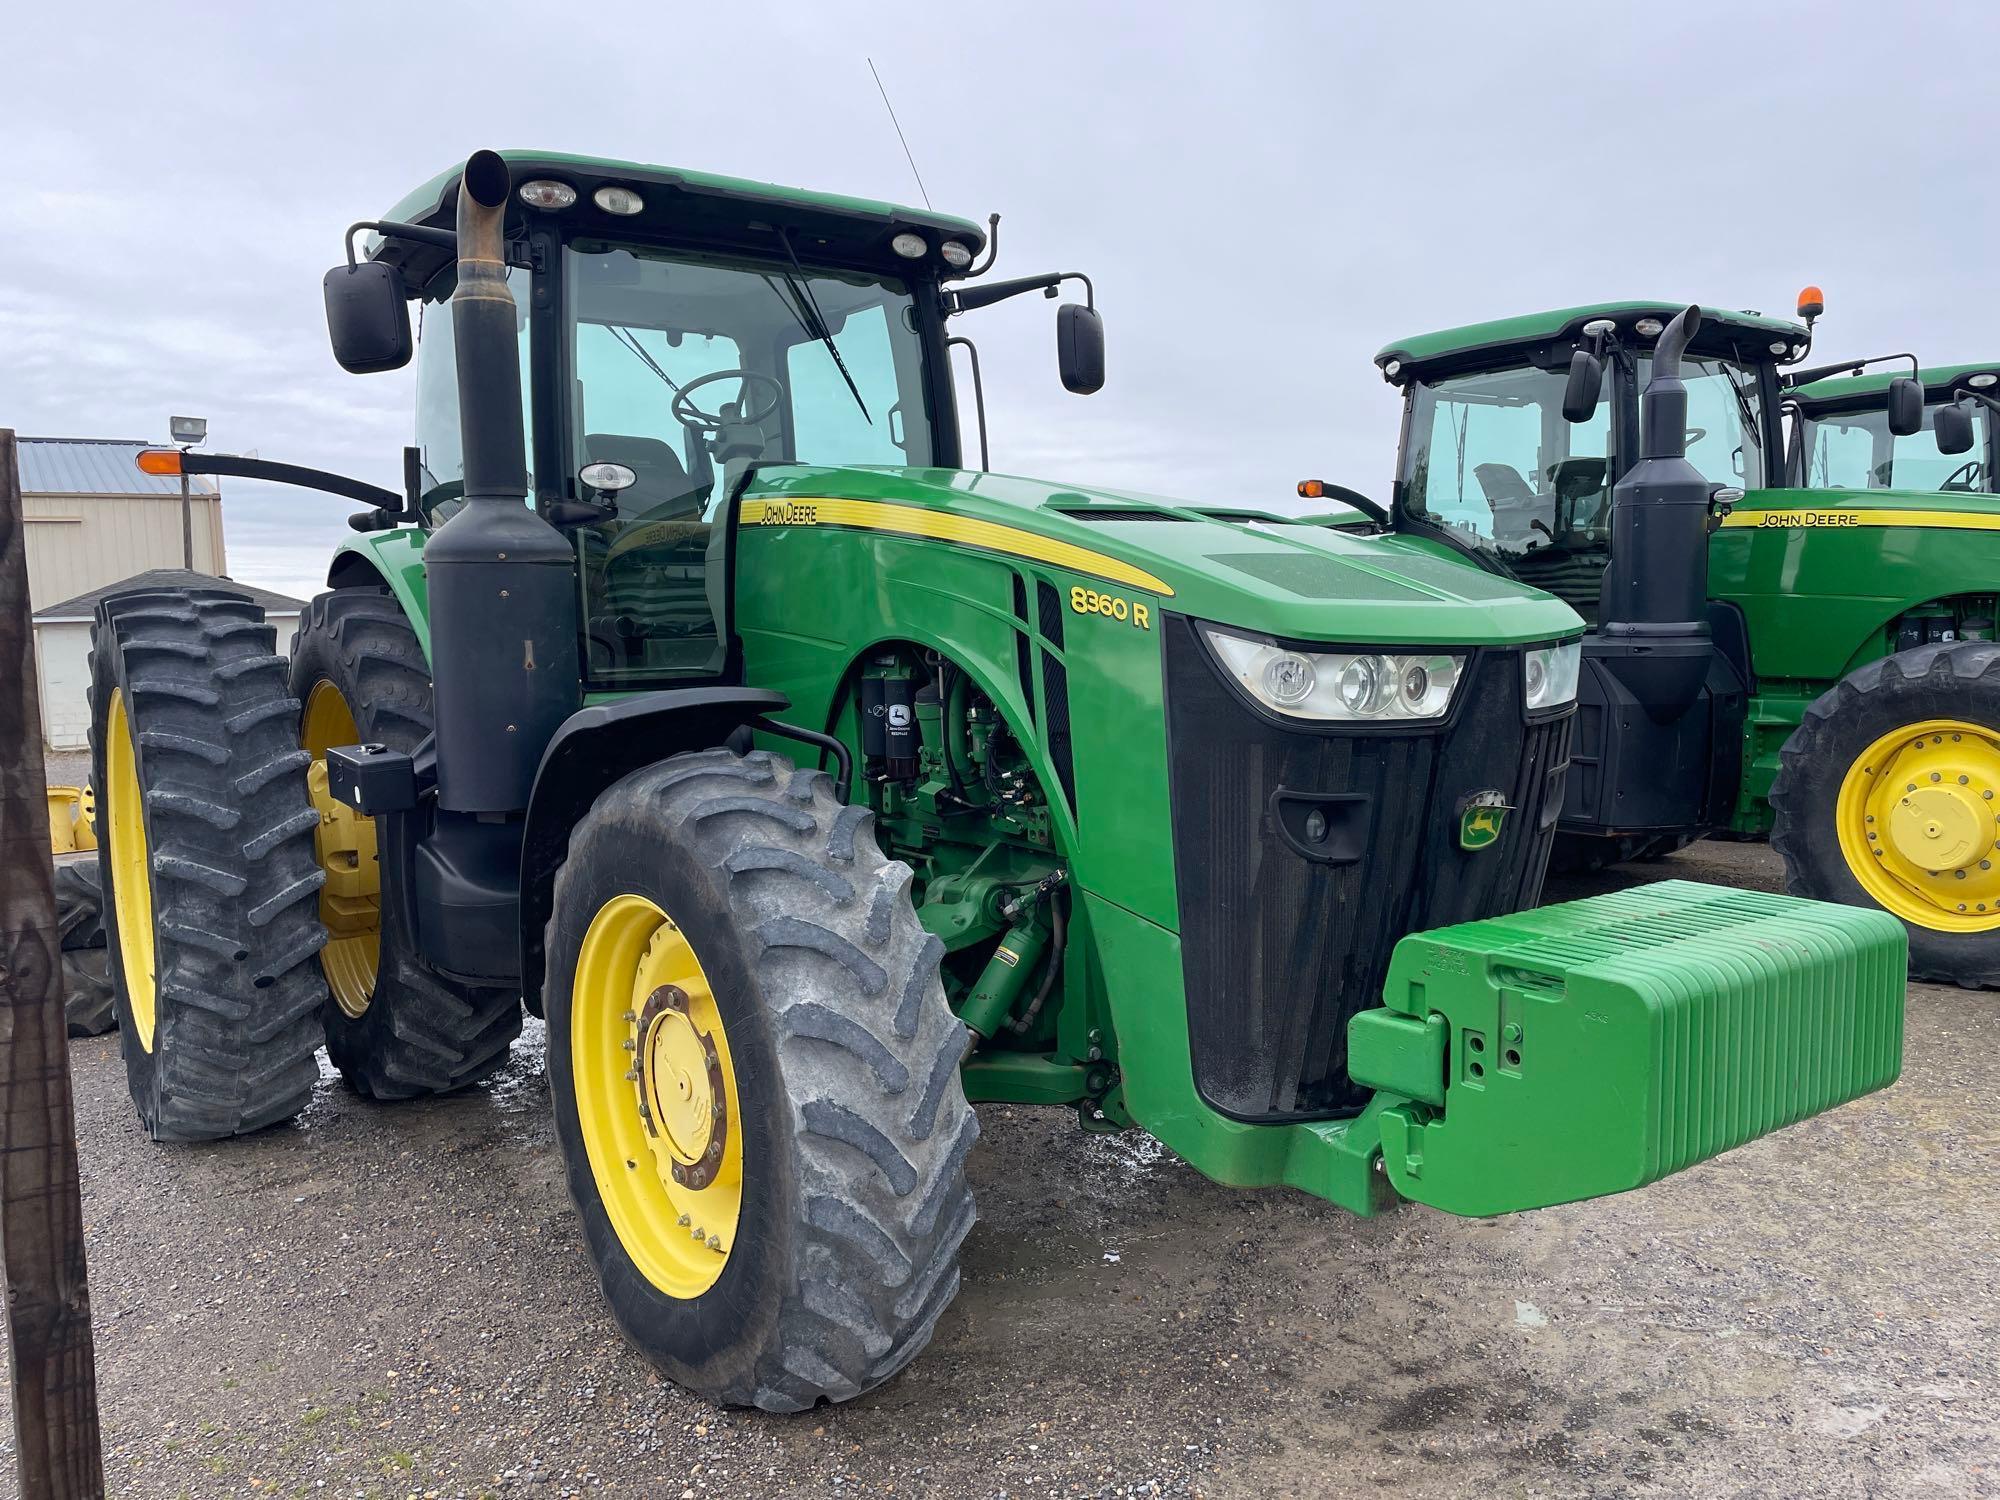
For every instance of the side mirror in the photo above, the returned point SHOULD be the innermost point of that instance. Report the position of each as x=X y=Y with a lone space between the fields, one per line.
x=368 y=317
x=1954 y=429
x=1080 y=348
x=1585 y=384
x=1906 y=406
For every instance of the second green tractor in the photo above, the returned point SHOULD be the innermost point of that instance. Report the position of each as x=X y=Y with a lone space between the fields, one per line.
x=1814 y=663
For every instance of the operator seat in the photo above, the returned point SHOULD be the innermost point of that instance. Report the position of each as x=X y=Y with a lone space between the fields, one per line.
x=1513 y=502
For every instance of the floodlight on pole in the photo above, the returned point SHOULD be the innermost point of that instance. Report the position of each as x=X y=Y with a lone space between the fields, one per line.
x=187 y=432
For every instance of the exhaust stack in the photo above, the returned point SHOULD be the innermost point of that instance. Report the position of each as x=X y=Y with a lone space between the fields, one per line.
x=503 y=597
x=1653 y=632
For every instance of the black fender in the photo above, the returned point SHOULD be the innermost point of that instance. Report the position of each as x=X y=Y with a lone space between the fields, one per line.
x=594 y=747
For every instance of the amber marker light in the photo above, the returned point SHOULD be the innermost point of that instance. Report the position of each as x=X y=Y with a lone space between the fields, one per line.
x=159 y=461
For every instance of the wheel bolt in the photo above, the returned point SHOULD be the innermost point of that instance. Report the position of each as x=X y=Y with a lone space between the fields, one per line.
x=715 y=1243
x=629 y=1045
x=679 y=1175
x=683 y=1221
x=714 y=1150
x=632 y=1074
x=631 y=1016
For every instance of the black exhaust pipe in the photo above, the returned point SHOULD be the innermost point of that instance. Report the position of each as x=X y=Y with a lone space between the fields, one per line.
x=1653 y=631
x=503 y=599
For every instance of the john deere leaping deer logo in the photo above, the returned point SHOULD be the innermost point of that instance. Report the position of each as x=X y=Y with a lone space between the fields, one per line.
x=1480 y=819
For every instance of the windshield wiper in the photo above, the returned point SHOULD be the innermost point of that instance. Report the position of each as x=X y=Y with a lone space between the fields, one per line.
x=630 y=340
x=817 y=326
x=1743 y=406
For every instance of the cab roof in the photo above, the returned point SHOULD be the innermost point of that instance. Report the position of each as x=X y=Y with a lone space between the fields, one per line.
x=680 y=203
x=1870 y=387
x=1723 y=330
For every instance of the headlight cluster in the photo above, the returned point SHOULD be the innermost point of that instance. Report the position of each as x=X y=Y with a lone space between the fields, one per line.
x=1363 y=687
x=1550 y=673
x=1378 y=686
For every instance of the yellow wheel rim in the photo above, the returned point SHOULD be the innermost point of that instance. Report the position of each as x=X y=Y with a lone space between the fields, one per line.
x=131 y=869
x=656 y=1096
x=350 y=903
x=1919 y=823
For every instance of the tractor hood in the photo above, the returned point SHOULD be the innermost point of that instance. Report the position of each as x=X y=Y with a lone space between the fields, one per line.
x=1216 y=562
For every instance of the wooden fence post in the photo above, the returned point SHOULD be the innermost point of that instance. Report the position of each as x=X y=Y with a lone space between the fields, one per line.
x=41 y=1210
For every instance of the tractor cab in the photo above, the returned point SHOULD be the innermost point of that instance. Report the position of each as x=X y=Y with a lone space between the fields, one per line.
x=677 y=330
x=1515 y=431
x=1841 y=436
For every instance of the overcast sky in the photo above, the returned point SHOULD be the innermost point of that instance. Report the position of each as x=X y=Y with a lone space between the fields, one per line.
x=1264 y=195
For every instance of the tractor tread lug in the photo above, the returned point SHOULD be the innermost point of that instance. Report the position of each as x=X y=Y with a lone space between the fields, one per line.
x=810 y=1020
x=835 y=1122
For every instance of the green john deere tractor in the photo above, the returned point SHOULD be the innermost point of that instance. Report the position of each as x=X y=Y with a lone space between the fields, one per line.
x=814 y=785
x=1760 y=659
x=1840 y=435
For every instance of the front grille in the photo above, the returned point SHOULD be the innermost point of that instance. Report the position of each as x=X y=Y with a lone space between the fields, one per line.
x=1277 y=950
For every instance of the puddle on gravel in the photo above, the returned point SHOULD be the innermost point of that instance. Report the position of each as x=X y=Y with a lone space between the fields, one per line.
x=521 y=1083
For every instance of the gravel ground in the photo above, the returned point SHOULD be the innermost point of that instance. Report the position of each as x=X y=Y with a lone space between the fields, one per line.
x=394 y=1301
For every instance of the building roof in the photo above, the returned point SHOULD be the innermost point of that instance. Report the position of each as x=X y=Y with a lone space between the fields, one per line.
x=1940 y=381
x=1454 y=343
x=96 y=466
x=84 y=606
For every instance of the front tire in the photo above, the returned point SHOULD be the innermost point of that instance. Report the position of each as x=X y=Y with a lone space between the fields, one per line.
x=749 y=1042
x=395 y=1027
x=1888 y=795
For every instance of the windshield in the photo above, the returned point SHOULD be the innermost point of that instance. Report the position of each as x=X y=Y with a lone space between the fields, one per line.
x=686 y=369
x=1856 y=451
x=1491 y=459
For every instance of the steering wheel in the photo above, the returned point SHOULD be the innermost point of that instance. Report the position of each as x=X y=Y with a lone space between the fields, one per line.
x=1964 y=477
x=690 y=415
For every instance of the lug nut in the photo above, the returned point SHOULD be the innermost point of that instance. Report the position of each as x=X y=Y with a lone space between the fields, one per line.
x=684 y=1221
x=715 y=1243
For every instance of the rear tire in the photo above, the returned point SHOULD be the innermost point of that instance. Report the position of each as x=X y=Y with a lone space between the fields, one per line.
x=89 y=1006
x=206 y=863
x=853 y=1130
x=1865 y=732
x=395 y=1027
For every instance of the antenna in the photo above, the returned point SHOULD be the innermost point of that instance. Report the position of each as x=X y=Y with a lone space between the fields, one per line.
x=899 y=133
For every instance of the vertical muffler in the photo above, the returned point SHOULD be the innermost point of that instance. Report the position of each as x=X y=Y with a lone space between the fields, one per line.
x=1653 y=633
x=503 y=597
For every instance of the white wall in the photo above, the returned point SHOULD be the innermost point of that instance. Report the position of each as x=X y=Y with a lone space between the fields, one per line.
x=62 y=661
x=76 y=543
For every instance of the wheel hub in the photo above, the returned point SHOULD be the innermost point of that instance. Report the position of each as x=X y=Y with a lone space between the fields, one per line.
x=1937 y=828
x=680 y=1091
x=1920 y=823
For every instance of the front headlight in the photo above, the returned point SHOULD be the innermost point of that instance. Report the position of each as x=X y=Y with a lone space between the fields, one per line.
x=1355 y=687
x=1550 y=673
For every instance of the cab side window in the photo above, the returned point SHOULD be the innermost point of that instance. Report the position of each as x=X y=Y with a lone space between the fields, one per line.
x=440 y=448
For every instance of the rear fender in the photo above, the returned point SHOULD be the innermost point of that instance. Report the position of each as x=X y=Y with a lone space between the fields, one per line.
x=595 y=747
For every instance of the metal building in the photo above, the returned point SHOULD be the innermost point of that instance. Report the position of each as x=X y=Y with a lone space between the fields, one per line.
x=94 y=521
x=93 y=518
